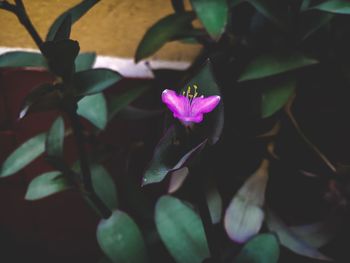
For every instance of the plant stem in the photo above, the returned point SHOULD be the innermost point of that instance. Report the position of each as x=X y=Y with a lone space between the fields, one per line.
x=199 y=179
x=89 y=191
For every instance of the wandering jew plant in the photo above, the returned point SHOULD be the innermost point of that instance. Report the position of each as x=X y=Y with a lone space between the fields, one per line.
x=188 y=107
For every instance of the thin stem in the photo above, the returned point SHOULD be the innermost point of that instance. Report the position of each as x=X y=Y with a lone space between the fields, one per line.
x=85 y=168
x=202 y=204
x=323 y=157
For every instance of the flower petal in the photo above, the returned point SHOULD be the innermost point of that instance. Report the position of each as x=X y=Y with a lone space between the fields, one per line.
x=176 y=103
x=202 y=105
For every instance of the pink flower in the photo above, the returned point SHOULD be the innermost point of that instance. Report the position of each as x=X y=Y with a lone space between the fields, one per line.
x=189 y=108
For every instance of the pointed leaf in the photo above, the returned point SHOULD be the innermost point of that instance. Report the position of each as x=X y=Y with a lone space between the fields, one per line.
x=290 y=240
x=55 y=138
x=94 y=80
x=94 y=109
x=43 y=98
x=85 y=61
x=244 y=215
x=263 y=248
x=161 y=32
x=63 y=31
x=181 y=230
x=168 y=156
x=22 y=59
x=275 y=97
x=177 y=178
x=272 y=64
x=214 y=122
x=120 y=239
x=75 y=12
x=104 y=186
x=213 y=14
x=23 y=155
x=120 y=101
x=312 y=21
x=45 y=185
x=334 y=6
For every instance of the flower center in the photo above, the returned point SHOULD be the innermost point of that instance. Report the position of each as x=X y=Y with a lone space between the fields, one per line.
x=190 y=96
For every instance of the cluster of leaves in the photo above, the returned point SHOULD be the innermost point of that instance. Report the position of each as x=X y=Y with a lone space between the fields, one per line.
x=262 y=57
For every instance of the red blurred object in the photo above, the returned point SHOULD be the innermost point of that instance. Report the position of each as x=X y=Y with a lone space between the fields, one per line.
x=60 y=228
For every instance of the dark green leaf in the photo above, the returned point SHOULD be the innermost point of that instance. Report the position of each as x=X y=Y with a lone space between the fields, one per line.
x=61 y=56
x=244 y=215
x=214 y=204
x=45 y=185
x=120 y=239
x=120 y=101
x=104 y=186
x=268 y=8
x=94 y=109
x=85 y=61
x=272 y=64
x=275 y=97
x=161 y=32
x=312 y=21
x=263 y=248
x=94 y=80
x=213 y=14
x=213 y=123
x=181 y=230
x=22 y=59
x=75 y=12
x=288 y=239
x=23 y=155
x=320 y=233
x=55 y=138
x=168 y=156
x=42 y=98
x=334 y=6
x=63 y=31
x=178 y=5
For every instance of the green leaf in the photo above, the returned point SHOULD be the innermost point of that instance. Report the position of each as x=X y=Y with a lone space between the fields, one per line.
x=244 y=215
x=85 y=61
x=42 y=98
x=23 y=155
x=181 y=230
x=75 y=12
x=213 y=14
x=22 y=59
x=63 y=31
x=214 y=204
x=312 y=21
x=61 y=56
x=275 y=97
x=161 y=32
x=120 y=101
x=268 y=8
x=263 y=248
x=168 y=156
x=55 y=138
x=92 y=81
x=104 y=186
x=267 y=65
x=45 y=185
x=213 y=123
x=291 y=241
x=319 y=234
x=334 y=6
x=120 y=239
x=94 y=109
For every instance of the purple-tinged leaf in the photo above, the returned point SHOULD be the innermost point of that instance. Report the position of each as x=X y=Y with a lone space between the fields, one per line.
x=244 y=215
x=177 y=178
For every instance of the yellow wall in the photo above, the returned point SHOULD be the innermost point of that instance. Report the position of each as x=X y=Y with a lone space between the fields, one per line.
x=111 y=27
